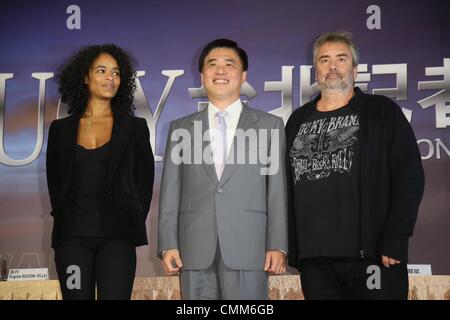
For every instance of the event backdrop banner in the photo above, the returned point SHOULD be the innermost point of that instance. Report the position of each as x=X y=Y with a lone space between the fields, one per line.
x=404 y=54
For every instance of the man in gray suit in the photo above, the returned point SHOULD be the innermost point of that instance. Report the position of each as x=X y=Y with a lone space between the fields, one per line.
x=223 y=214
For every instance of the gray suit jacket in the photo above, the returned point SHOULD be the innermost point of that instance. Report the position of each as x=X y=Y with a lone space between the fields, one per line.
x=246 y=211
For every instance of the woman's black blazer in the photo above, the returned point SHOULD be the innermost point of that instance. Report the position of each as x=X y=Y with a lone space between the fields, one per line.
x=124 y=206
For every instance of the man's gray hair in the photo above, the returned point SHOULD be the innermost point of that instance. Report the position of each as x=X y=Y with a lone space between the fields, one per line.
x=338 y=36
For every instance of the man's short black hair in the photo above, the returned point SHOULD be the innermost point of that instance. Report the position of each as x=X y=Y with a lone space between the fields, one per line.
x=223 y=43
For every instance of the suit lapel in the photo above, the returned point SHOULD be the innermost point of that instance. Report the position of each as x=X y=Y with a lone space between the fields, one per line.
x=246 y=121
x=120 y=136
x=197 y=136
x=69 y=134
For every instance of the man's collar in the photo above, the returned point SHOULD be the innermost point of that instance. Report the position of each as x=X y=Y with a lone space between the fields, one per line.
x=352 y=103
x=233 y=109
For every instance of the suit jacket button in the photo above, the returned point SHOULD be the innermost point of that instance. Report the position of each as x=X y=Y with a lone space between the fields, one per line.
x=219 y=190
x=108 y=192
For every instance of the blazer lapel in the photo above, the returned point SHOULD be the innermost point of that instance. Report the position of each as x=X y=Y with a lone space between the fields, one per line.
x=199 y=148
x=120 y=136
x=69 y=132
x=246 y=121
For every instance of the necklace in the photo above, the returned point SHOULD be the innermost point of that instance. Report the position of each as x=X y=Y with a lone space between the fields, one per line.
x=91 y=117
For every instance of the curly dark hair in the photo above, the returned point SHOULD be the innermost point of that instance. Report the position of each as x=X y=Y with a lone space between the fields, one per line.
x=71 y=75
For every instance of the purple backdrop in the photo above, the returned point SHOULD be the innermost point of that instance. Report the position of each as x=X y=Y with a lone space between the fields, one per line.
x=403 y=46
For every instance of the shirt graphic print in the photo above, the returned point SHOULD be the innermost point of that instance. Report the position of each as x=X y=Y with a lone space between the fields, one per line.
x=324 y=145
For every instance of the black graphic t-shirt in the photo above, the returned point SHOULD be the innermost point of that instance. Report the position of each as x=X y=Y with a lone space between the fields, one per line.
x=324 y=160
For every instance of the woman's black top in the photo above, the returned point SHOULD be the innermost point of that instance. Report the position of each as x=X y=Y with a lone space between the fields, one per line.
x=88 y=184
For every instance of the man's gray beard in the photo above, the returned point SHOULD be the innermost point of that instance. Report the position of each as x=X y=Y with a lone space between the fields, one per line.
x=337 y=84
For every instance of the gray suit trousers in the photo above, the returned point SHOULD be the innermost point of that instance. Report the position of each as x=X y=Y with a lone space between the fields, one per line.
x=218 y=282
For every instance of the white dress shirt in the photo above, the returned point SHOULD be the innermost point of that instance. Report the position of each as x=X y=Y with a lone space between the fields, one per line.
x=234 y=112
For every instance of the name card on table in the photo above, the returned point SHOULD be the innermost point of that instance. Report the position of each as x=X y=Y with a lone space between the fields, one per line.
x=28 y=274
x=419 y=269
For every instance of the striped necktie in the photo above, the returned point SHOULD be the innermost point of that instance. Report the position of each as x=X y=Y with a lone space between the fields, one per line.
x=220 y=145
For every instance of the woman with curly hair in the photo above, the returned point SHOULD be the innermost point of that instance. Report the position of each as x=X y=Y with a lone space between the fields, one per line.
x=100 y=171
